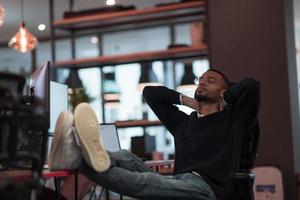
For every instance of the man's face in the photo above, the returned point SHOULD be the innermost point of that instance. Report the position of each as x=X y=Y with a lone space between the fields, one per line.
x=210 y=87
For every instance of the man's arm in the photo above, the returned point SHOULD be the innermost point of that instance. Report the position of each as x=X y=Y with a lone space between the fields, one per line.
x=161 y=100
x=189 y=102
x=244 y=97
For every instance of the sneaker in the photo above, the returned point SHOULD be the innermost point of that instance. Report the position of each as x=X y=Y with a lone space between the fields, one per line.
x=88 y=132
x=64 y=152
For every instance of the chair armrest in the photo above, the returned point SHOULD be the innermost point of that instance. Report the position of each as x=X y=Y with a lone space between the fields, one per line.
x=164 y=167
x=243 y=175
x=154 y=163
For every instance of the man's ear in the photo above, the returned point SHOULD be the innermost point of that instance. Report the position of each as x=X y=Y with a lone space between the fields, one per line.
x=222 y=93
x=221 y=104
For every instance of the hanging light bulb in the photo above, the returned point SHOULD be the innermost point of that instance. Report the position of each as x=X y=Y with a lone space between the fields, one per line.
x=110 y=2
x=23 y=40
x=1 y=15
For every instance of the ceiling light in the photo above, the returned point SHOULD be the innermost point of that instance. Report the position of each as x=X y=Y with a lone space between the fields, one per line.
x=110 y=2
x=1 y=15
x=23 y=40
x=42 y=27
x=94 y=40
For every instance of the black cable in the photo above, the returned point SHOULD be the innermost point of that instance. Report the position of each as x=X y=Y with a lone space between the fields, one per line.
x=22 y=11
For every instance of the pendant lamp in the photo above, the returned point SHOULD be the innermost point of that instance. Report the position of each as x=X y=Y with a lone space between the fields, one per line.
x=147 y=77
x=111 y=91
x=187 y=80
x=23 y=41
x=1 y=15
x=73 y=81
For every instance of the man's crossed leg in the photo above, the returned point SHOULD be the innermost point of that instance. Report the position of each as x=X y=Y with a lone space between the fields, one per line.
x=121 y=171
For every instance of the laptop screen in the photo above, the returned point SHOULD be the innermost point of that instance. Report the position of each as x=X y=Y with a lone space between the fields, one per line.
x=58 y=102
x=110 y=137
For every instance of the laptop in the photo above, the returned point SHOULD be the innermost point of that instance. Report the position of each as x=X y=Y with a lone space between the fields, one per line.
x=58 y=102
x=110 y=137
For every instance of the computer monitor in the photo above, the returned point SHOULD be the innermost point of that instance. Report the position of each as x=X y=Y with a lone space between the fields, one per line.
x=39 y=91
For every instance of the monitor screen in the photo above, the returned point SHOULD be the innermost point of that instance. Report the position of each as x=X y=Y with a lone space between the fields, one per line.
x=58 y=102
x=110 y=137
x=39 y=90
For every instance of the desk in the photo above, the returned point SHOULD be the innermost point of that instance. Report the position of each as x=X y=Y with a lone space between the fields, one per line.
x=23 y=175
x=161 y=166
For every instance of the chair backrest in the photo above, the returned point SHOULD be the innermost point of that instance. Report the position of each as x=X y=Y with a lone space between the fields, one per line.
x=249 y=150
x=244 y=179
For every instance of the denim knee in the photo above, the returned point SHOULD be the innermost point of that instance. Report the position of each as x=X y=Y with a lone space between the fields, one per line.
x=125 y=152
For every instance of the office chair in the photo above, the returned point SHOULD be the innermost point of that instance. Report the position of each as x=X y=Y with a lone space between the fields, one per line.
x=23 y=136
x=244 y=178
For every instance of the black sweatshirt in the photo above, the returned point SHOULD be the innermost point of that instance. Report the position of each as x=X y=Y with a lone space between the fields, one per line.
x=209 y=145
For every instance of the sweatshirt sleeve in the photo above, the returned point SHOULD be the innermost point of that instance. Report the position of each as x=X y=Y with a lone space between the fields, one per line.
x=243 y=98
x=161 y=100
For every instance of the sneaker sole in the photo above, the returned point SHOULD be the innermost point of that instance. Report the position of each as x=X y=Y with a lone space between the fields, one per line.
x=64 y=122
x=88 y=131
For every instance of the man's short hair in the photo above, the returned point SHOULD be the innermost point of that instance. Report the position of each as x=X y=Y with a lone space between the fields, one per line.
x=224 y=77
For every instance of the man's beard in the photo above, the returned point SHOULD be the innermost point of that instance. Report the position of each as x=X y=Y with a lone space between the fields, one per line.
x=204 y=98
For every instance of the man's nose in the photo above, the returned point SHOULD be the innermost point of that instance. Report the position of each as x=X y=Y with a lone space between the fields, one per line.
x=202 y=82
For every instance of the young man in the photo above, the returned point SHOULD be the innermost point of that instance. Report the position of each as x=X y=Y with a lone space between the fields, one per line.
x=207 y=142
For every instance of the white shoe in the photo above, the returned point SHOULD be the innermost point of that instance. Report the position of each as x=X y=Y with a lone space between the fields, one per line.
x=64 y=152
x=88 y=131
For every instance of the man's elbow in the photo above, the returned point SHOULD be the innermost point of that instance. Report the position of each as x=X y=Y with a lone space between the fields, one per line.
x=251 y=83
x=252 y=87
x=146 y=91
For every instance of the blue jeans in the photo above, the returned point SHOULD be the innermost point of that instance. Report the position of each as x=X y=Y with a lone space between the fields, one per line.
x=128 y=175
